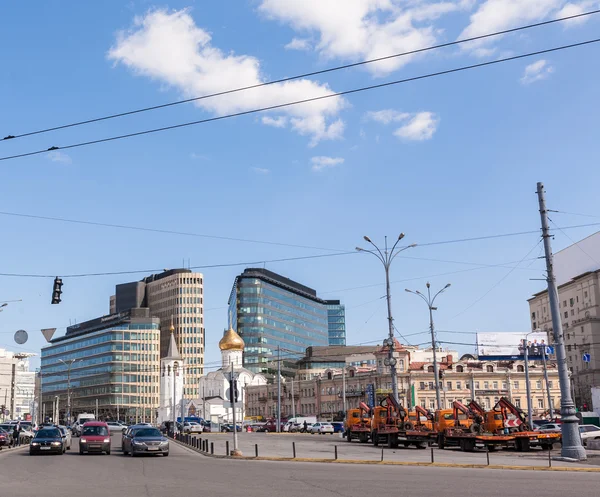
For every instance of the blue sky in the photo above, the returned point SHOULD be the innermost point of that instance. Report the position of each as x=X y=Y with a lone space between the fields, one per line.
x=440 y=159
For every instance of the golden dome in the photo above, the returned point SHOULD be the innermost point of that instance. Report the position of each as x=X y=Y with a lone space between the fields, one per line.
x=231 y=341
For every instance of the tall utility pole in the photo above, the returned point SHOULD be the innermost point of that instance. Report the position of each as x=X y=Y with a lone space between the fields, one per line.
x=386 y=257
x=528 y=383
x=430 y=301
x=233 y=393
x=550 y=406
x=278 y=389
x=571 y=440
x=203 y=404
x=69 y=365
x=293 y=401
x=344 y=390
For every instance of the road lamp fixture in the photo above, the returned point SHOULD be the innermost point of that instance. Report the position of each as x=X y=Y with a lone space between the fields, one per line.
x=386 y=257
x=430 y=301
x=69 y=365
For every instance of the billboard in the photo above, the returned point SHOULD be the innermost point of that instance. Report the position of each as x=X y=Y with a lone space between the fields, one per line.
x=511 y=346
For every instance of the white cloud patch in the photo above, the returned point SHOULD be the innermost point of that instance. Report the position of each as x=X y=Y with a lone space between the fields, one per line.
x=365 y=29
x=322 y=162
x=299 y=44
x=573 y=9
x=169 y=47
x=61 y=157
x=196 y=156
x=276 y=122
x=420 y=127
x=417 y=126
x=261 y=170
x=537 y=71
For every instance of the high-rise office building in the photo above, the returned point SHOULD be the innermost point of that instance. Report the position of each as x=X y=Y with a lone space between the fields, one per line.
x=336 y=321
x=271 y=312
x=176 y=294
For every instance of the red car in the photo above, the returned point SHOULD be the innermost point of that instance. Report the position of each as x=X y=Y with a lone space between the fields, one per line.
x=95 y=437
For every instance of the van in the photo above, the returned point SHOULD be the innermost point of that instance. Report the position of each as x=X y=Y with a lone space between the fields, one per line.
x=81 y=420
x=297 y=423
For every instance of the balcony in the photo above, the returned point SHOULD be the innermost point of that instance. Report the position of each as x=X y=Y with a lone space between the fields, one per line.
x=262 y=398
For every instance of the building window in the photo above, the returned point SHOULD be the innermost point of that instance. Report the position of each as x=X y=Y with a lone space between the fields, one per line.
x=569 y=348
x=564 y=303
x=449 y=385
x=520 y=369
x=566 y=314
x=518 y=402
x=571 y=302
x=495 y=385
x=572 y=312
x=486 y=385
x=538 y=384
x=423 y=404
x=459 y=369
x=431 y=387
x=477 y=385
x=489 y=368
x=549 y=383
x=533 y=315
x=516 y=384
x=487 y=403
x=458 y=385
x=585 y=295
x=534 y=325
x=430 y=369
x=541 y=401
x=422 y=385
x=431 y=404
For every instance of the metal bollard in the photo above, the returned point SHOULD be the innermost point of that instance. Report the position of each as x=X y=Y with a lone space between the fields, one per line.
x=294 y=449
x=381 y=454
x=212 y=448
x=256 y=450
x=227 y=447
x=432 y=459
x=335 y=447
x=487 y=453
x=549 y=458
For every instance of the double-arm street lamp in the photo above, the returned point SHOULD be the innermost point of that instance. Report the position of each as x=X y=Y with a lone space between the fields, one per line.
x=430 y=301
x=386 y=257
x=69 y=365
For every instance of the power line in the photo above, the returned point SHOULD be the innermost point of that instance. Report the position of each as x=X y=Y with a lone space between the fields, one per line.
x=163 y=231
x=573 y=214
x=210 y=266
x=299 y=76
x=575 y=243
x=303 y=101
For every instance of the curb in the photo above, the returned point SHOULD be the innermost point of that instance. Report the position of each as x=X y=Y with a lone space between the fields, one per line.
x=391 y=463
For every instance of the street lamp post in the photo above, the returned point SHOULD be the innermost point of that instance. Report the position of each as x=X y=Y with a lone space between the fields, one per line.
x=69 y=365
x=386 y=257
x=430 y=301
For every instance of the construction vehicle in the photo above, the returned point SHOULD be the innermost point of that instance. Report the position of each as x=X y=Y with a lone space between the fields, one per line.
x=416 y=418
x=358 y=423
x=465 y=427
x=391 y=424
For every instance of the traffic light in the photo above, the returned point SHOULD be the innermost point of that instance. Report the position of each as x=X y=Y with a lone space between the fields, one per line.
x=57 y=290
x=441 y=374
x=233 y=391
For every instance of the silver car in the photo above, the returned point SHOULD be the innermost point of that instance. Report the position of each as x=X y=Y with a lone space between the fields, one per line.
x=66 y=434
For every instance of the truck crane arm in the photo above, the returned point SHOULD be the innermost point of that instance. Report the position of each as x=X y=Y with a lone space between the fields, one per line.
x=422 y=411
x=506 y=405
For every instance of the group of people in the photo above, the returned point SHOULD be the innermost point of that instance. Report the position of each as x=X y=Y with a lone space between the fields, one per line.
x=534 y=348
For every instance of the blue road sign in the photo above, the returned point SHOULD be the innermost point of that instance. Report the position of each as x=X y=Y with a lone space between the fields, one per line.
x=586 y=357
x=549 y=350
x=371 y=395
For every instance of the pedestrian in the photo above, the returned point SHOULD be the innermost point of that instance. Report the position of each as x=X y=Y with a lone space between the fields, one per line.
x=305 y=426
x=16 y=434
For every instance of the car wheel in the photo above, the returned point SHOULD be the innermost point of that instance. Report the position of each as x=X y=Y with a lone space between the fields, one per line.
x=165 y=454
x=108 y=452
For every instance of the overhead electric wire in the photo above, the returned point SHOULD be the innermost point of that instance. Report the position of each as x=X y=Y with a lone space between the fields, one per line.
x=163 y=231
x=573 y=214
x=304 y=75
x=303 y=101
x=575 y=243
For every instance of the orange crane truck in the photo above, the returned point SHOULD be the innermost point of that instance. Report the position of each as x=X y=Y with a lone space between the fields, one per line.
x=358 y=423
x=390 y=424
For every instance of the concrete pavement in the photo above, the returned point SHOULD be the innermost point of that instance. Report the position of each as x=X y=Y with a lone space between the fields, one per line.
x=188 y=473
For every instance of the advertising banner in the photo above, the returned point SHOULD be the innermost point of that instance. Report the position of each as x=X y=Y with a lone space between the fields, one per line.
x=371 y=395
x=511 y=346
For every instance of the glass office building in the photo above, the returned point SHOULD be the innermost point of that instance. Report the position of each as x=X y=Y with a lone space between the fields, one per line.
x=110 y=364
x=336 y=322
x=270 y=311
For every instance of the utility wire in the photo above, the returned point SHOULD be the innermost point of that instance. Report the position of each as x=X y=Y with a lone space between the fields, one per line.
x=303 y=101
x=573 y=214
x=164 y=231
x=575 y=243
x=299 y=76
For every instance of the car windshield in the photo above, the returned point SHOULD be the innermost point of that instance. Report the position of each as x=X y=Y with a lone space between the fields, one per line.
x=48 y=433
x=148 y=432
x=95 y=431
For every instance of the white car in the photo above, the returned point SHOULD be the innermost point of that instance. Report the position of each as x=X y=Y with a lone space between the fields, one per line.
x=66 y=435
x=589 y=432
x=192 y=427
x=322 y=428
x=115 y=426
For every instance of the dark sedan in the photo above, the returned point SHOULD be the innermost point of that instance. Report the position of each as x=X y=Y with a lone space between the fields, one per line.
x=6 y=438
x=148 y=441
x=47 y=440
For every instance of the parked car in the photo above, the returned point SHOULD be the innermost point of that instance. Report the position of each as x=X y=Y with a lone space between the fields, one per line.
x=115 y=426
x=548 y=428
x=6 y=438
x=589 y=432
x=48 y=440
x=322 y=428
x=147 y=440
x=25 y=435
x=95 y=437
x=338 y=427
x=229 y=427
x=66 y=436
x=192 y=427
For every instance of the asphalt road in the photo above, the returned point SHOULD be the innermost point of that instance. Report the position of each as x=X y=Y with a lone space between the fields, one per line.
x=188 y=473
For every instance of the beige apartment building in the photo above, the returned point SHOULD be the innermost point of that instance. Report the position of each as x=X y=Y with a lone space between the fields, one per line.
x=578 y=302
x=177 y=295
x=463 y=380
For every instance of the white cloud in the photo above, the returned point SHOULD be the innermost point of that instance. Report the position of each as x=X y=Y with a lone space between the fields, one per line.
x=261 y=170
x=421 y=127
x=365 y=29
x=386 y=116
x=299 y=44
x=196 y=156
x=573 y=9
x=169 y=47
x=536 y=71
x=58 y=156
x=322 y=162
x=276 y=122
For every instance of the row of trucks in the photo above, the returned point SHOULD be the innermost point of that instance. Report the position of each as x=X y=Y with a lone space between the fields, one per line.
x=465 y=426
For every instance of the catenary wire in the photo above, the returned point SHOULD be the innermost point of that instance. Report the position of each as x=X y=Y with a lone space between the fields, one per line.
x=304 y=75
x=575 y=243
x=303 y=101
x=163 y=231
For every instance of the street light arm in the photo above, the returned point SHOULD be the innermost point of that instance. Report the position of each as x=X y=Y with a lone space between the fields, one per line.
x=380 y=257
x=401 y=250
x=418 y=294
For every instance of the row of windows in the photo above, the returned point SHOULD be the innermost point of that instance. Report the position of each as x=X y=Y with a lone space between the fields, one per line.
x=247 y=304
x=252 y=314
x=265 y=333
